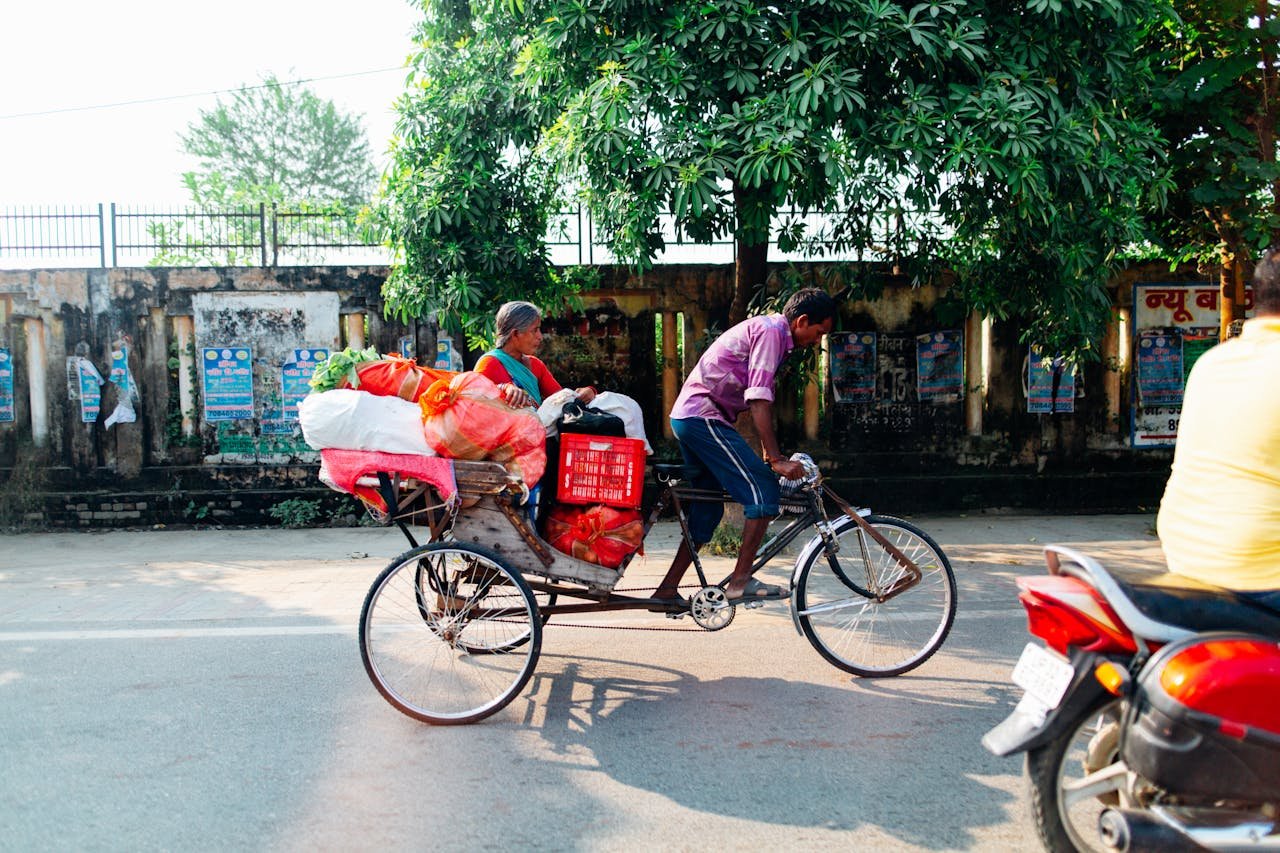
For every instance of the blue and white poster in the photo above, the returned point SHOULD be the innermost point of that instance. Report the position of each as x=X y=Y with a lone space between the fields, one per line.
x=1042 y=370
x=274 y=423
x=6 y=385
x=940 y=366
x=90 y=384
x=127 y=398
x=1160 y=368
x=853 y=366
x=295 y=376
x=227 y=383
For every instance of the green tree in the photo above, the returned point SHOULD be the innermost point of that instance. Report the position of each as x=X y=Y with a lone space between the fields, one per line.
x=280 y=142
x=275 y=144
x=993 y=138
x=466 y=203
x=1215 y=102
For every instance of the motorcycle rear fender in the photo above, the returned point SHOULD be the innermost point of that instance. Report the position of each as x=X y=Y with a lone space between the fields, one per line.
x=1023 y=730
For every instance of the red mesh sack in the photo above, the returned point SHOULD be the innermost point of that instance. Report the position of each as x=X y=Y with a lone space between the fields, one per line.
x=396 y=376
x=602 y=535
x=464 y=418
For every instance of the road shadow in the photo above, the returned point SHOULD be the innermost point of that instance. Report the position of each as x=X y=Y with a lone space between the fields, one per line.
x=773 y=750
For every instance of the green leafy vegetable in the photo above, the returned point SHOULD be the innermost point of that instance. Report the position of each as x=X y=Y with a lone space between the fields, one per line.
x=342 y=366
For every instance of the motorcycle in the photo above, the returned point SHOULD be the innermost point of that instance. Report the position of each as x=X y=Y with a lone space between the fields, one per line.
x=1151 y=714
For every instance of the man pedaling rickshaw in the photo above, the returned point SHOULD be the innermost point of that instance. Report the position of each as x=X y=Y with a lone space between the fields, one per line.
x=737 y=374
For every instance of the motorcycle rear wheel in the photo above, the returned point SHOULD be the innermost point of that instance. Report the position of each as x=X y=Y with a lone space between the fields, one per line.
x=1067 y=824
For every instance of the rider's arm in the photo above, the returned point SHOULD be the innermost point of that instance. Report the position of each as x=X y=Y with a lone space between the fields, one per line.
x=762 y=417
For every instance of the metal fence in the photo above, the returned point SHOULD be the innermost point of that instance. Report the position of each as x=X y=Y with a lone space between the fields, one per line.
x=111 y=235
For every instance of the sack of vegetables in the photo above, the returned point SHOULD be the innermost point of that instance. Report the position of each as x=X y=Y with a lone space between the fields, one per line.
x=465 y=418
x=383 y=375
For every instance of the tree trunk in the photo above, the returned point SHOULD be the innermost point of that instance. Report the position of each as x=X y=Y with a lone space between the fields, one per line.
x=751 y=241
x=1265 y=121
x=1231 y=290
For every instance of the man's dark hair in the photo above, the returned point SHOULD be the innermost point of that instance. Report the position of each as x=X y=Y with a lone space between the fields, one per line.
x=1266 y=283
x=813 y=302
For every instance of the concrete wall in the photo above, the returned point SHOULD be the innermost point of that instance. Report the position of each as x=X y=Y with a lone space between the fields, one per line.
x=155 y=320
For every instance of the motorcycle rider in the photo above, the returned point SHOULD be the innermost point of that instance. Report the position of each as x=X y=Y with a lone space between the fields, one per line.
x=1219 y=520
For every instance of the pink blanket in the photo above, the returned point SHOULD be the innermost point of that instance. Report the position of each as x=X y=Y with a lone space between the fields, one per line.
x=342 y=468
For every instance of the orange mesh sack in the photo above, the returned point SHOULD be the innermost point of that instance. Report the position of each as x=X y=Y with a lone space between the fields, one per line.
x=464 y=418
x=600 y=534
x=396 y=376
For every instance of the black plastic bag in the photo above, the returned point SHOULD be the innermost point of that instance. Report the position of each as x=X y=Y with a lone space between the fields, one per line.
x=584 y=420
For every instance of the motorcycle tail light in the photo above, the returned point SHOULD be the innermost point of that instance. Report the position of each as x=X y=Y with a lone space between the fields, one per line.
x=1058 y=626
x=1065 y=612
x=1112 y=678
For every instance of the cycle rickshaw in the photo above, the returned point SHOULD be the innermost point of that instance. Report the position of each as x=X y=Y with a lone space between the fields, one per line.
x=451 y=630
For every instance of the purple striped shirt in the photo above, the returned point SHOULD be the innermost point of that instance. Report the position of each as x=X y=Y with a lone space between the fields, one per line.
x=737 y=368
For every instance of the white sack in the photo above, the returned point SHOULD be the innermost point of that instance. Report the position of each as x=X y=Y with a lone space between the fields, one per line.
x=357 y=420
x=628 y=410
x=549 y=411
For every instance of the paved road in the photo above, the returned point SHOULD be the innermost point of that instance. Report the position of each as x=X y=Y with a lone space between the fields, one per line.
x=202 y=690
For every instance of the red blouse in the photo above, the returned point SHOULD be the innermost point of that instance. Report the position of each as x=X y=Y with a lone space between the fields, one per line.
x=492 y=369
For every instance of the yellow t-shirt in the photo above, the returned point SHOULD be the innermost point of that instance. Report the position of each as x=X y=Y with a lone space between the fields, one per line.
x=1219 y=520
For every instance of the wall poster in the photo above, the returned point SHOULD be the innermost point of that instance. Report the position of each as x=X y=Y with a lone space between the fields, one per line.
x=1159 y=373
x=227 y=383
x=940 y=366
x=1042 y=371
x=853 y=366
x=1187 y=312
x=295 y=376
x=89 y=384
x=6 y=385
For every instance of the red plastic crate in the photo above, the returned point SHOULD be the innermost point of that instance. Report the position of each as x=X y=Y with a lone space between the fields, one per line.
x=599 y=469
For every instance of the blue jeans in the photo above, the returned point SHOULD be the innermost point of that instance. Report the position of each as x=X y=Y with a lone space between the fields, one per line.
x=1267 y=598
x=717 y=457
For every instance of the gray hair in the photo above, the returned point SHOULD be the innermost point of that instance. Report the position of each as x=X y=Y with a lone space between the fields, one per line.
x=515 y=317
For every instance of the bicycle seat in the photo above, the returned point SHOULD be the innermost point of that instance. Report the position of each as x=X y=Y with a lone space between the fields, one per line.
x=667 y=472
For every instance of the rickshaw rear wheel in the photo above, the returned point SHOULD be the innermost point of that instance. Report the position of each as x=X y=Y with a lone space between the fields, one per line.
x=426 y=615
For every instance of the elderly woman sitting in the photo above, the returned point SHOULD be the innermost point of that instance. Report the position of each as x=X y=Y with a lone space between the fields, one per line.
x=521 y=376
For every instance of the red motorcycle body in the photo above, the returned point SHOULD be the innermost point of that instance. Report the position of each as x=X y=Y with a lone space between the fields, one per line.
x=1207 y=718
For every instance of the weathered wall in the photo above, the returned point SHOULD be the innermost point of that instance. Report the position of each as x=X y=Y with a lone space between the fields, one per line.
x=163 y=316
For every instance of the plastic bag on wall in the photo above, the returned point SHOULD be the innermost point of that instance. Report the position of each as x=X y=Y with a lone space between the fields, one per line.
x=126 y=388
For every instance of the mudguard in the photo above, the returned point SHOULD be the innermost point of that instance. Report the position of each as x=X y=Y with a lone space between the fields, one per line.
x=815 y=544
x=1025 y=729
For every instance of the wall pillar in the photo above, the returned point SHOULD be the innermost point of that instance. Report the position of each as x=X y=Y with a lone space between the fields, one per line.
x=1111 y=371
x=976 y=342
x=813 y=391
x=670 y=370
x=37 y=384
x=353 y=330
x=184 y=332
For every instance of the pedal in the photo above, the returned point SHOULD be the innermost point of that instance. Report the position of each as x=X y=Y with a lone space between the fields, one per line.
x=753 y=605
x=677 y=615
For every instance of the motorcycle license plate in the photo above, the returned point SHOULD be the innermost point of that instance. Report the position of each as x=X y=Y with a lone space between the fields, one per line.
x=1043 y=675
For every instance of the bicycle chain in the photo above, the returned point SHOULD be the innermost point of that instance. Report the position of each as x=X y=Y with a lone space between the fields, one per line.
x=552 y=622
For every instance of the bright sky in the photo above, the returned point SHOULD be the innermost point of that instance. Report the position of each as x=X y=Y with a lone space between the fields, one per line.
x=63 y=54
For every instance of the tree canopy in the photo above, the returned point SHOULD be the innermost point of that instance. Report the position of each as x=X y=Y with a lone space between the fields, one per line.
x=279 y=142
x=1215 y=102
x=994 y=138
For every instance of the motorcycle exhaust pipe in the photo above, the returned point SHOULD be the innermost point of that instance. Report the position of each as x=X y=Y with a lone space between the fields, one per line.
x=1158 y=830
x=1132 y=831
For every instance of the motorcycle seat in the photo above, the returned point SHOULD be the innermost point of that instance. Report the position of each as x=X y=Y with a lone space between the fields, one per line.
x=1185 y=603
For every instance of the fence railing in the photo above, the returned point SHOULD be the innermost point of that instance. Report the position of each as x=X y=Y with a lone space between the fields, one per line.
x=111 y=235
